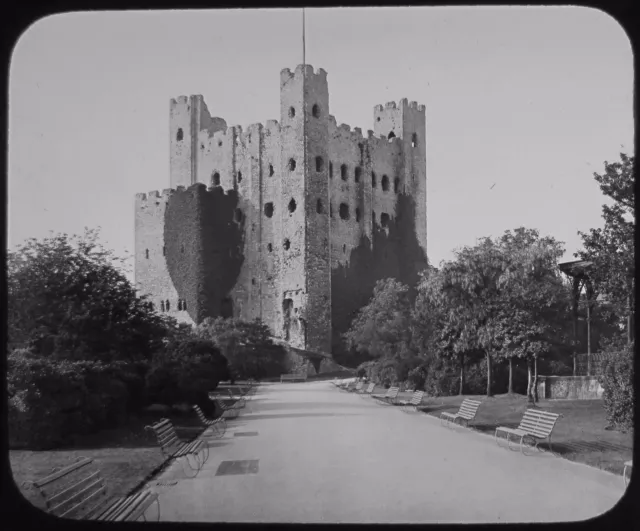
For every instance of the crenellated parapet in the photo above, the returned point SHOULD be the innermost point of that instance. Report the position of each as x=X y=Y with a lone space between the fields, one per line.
x=301 y=71
x=157 y=198
x=403 y=103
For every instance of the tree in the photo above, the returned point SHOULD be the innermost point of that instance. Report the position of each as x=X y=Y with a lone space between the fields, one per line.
x=611 y=248
x=67 y=298
x=437 y=318
x=501 y=297
x=534 y=300
x=247 y=345
x=471 y=286
x=382 y=327
x=185 y=370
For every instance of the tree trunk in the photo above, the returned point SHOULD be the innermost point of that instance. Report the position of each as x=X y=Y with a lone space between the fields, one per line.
x=510 y=376
x=535 y=379
x=461 y=359
x=488 y=375
x=529 y=381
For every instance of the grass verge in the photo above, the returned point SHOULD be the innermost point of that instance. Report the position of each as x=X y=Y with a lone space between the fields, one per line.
x=127 y=457
x=579 y=434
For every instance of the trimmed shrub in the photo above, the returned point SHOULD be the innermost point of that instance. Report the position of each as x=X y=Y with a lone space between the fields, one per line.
x=51 y=401
x=186 y=371
x=47 y=402
x=617 y=382
x=442 y=379
x=417 y=377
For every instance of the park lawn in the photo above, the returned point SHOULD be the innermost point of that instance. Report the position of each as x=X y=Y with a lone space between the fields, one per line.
x=579 y=434
x=127 y=457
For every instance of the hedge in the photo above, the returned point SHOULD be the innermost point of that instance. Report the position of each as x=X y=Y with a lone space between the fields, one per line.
x=617 y=382
x=51 y=401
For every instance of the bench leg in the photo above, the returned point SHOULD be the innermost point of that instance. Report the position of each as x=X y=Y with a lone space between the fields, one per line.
x=206 y=456
x=508 y=440
x=203 y=454
x=523 y=444
x=185 y=459
x=551 y=447
x=157 y=502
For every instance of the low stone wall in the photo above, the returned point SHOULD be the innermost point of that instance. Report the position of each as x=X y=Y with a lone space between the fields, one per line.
x=569 y=387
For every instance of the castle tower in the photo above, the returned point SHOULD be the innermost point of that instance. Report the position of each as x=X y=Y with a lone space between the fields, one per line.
x=305 y=274
x=407 y=121
x=187 y=118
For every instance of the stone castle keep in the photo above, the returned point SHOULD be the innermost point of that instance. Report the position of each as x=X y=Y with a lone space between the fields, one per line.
x=291 y=222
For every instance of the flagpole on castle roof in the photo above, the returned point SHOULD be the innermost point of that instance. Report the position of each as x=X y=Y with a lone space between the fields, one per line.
x=303 y=40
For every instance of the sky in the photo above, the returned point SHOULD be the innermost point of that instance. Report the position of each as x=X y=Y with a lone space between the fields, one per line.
x=523 y=105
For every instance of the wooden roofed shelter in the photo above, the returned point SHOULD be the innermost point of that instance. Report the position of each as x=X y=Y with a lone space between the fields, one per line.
x=578 y=271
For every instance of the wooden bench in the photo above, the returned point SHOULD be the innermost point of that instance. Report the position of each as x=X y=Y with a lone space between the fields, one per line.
x=535 y=425
x=293 y=378
x=629 y=465
x=412 y=405
x=225 y=394
x=368 y=390
x=390 y=396
x=219 y=425
x=228 y=411
x=173 y=447
x=78 y=491
x=350 y=386
x=244 y=392
x=466 y=413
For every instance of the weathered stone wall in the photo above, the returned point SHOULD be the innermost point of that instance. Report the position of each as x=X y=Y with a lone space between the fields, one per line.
x=151 y=273
x=569 y=387
x=317 y=265
x=302 y=245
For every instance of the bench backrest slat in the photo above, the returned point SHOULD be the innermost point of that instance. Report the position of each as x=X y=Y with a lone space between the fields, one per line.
x=392 y=392
x=84 y=502
x=76 y=485
x=417 y=398
x=371 y=387
x=61 y=495
x=89 y=490
x=61 y=473
x=469 y=408
x=166 y=434
x=540 y=423
x=200 y=414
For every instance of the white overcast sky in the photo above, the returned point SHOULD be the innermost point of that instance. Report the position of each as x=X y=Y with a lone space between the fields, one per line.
x=528 y=100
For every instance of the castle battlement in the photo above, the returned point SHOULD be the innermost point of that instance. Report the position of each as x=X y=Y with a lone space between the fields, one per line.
x=301 y=70
x=163 y=196
x=402 y=103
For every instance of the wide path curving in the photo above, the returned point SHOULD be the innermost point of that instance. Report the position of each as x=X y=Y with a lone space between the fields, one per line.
x=329 y=456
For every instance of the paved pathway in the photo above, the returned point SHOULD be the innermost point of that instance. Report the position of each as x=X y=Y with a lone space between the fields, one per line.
x=328 y=456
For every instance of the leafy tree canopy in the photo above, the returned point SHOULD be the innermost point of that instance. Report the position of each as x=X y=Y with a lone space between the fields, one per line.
x=246 y=344
x=68 y=298
x=382 y=327
x=611 y=248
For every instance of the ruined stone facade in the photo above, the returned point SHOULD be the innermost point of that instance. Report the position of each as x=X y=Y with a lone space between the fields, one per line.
x=291 y=222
